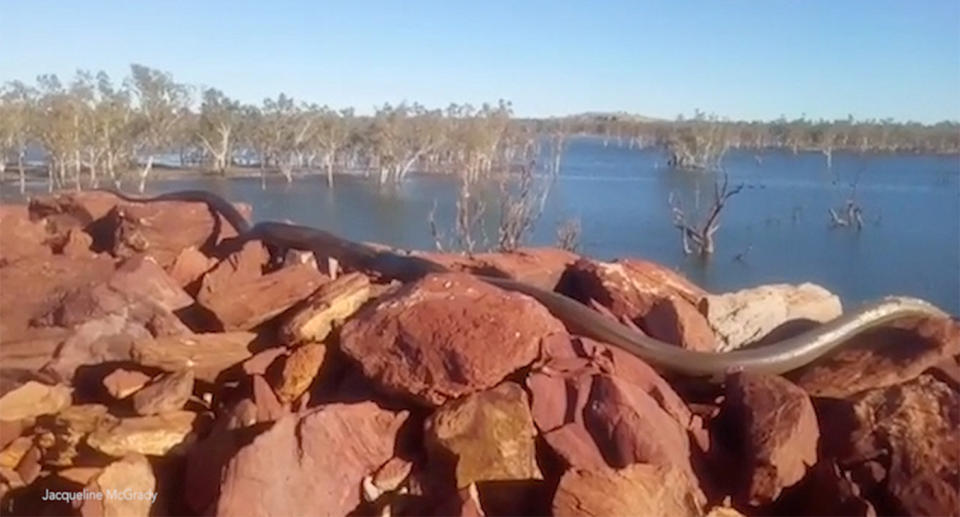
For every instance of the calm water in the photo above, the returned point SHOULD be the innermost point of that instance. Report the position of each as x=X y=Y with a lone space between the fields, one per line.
x=910 y=244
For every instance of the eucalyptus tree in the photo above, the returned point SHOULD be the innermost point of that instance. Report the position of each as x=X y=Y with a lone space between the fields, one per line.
x=56 y=127
x=116 y=126
x=161 y=104
x=283 y=133
x=17 y=105
x=400 y=135
x=331 y=133
x=219 y=121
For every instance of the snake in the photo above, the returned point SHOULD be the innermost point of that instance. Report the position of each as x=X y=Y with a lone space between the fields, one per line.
x=775 y=358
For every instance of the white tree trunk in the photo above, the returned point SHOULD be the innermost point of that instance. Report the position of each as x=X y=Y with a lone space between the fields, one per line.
x=144 y=173
x=23 y=175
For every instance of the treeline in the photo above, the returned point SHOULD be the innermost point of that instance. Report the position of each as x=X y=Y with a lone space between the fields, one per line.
x=95 y=129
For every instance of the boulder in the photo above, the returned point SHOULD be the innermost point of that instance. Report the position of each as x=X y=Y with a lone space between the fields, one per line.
x=881 y=357
x=33 y=399
x=244 y=305
x=299 y=370
x=163 y=229
x=676 y=321
x=637 y=489
x=165 y=394
x=312 y=319
x=628 y=288
x=446 y=336
x=485 y=436
x=155 y=435
x=269 y=407
x=207 y=355
x=142 y=277
x=261 y=361
x=541 y=267
x=323 y=456
x=747 y=316
x=130 y=476
x=778 y=433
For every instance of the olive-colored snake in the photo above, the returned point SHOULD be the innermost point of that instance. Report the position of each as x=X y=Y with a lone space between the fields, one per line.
x=776 y=358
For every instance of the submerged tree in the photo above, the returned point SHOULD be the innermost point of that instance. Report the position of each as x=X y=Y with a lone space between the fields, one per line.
x=17 y=104
x=220 y=118
x=701 y=234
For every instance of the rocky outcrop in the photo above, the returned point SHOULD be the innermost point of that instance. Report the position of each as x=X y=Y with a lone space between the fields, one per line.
x=445 y=395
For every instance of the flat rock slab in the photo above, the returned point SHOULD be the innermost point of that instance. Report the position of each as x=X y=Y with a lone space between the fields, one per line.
x=207 y=355
x=59 y=435
x=676 y=321
x=149 y=435
x=489 y=436
x=334 y=302
x=445 y=336
x=33 y=399
x=310 y=464
x=110 y=338
x=244 y=305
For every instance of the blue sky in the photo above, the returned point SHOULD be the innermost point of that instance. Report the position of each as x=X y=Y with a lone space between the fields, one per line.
x=745 y=60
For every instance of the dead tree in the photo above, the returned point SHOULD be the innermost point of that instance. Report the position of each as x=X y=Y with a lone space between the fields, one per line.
x=702 y=235
x=568 y=235
x=521 y=206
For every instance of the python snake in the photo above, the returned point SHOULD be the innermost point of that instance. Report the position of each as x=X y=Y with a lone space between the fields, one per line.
x=776 y=358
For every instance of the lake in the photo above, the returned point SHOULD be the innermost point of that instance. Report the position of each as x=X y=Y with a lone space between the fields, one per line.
x=777 y=229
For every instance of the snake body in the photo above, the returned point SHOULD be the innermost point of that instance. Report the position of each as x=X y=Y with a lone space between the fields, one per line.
x=776 y=358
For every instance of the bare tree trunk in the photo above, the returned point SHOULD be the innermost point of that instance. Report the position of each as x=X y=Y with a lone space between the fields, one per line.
x=328 y=165
x=23 y=174
x=76 y=172
x=144 y=173
x=50 y=174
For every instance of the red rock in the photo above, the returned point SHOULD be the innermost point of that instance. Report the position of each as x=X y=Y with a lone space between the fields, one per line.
x=163 y=228
x=21 y=238
x=676 y=321
x=165 y=394
x=882 y=357
x=541 y=267
x=189 y=266
x=604 y=411
x=110 y=338
x=913 y=428
x=779 y=432
x=258 y=364
x=243 y=306
x=122 y=383
x=73 y=209
x=629 y=288
x=141 y=276
x=637 y=489
x=29 y=467
x=314 y=318
x=446 y=336
x=208 y=355
x=33 y=288
x=323 y=456
x=268 y=405
x=240 y=267
x=10 y=430
x=77 y=244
